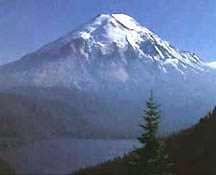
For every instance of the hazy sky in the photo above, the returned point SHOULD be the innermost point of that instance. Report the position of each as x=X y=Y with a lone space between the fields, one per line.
x=26 y=25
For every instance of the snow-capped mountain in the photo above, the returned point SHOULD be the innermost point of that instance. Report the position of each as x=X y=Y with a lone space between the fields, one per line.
x=108 y=34
x=112 y=62
x=110 y=48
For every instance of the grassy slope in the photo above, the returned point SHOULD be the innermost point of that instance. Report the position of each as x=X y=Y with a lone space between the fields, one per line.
x=192 y=150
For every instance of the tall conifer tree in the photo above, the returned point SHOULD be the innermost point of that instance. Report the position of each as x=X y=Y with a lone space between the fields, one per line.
x=151 y=158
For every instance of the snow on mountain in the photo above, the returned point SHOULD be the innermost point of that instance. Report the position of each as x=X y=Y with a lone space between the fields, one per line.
x=110 y=48
x=116 y=61
x=211 y=64
x=107 y=33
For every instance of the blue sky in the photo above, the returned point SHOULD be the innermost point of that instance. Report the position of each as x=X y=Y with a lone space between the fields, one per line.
x=26 y=25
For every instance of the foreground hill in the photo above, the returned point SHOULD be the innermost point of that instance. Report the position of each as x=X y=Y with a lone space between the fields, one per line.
x=192 y=150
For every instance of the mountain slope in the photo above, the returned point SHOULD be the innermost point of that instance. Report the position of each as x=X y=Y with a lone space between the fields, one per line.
x=110 y=48
x=30 y=117
x=111 y=63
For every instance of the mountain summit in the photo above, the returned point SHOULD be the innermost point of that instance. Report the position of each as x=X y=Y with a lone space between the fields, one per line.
x=120 y=34
x=109 y=65
x=110 y=48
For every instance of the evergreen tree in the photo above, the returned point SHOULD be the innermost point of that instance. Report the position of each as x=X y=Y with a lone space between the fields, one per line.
x=151 y=158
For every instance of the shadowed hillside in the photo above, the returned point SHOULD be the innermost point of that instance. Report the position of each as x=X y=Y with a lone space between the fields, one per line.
x=193 y=149
x=24 y=117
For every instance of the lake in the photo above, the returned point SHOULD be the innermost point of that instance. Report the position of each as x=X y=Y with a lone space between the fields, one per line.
x=61 y=156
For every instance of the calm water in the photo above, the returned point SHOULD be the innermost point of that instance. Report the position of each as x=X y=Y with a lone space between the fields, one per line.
x=60 y=156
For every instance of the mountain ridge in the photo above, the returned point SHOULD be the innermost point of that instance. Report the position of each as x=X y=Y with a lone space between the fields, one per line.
x=114 y=44
x=113 y=67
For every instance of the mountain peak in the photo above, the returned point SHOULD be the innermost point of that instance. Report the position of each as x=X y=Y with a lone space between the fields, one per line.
x=127 y=21
x=124 y=20
x=118 y=38
x=106 y=29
